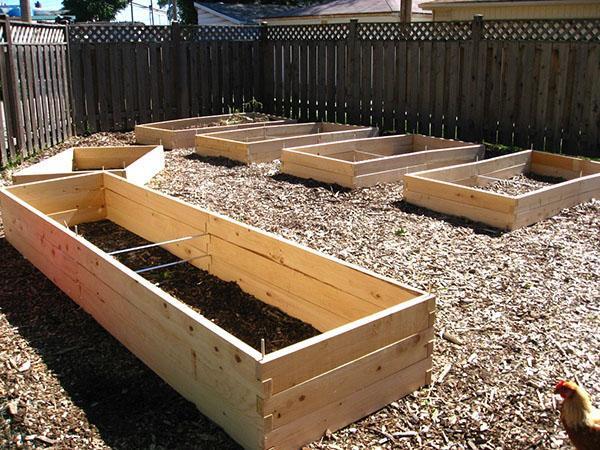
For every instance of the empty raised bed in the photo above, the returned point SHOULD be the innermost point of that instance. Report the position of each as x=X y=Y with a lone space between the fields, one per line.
x=265 y=144
x=375 y=334
x=467 y=190
x=180 y=133
x=366 y=162
x=137 y=163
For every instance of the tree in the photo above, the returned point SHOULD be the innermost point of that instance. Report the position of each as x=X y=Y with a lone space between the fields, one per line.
x=94 y=10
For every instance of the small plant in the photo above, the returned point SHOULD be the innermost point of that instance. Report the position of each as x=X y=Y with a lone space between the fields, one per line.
x=252 y=106
x=400 y=232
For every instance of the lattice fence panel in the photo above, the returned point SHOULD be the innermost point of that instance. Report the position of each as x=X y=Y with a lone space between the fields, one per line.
x=542 y=30
x=118 y=33
x=332 y=32
x=27 y=34
x=219 y=33
x=418 y=31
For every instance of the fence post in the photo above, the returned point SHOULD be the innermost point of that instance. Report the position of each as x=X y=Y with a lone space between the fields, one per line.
x=16 y=127
x=479 y=75
x=260 y=78
x=177 y=88
x=353 y=82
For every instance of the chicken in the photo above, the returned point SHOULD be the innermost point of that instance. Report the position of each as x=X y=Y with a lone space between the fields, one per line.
x=580 y=419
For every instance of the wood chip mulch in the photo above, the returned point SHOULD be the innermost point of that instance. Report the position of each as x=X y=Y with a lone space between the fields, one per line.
x=516 y=312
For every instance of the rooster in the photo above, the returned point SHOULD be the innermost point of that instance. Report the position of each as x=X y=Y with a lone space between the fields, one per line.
x=580 y=419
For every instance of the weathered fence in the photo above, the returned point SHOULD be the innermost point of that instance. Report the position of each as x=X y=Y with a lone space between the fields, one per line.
x=124 y=75
x=523 y=83
x=35 y=109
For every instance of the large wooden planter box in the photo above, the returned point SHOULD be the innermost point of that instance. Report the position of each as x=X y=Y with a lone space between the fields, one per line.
x=376 y=339
x=453 y=190
x=181 y=133
x=137 y=163
x=265 y=144
x=366 y=162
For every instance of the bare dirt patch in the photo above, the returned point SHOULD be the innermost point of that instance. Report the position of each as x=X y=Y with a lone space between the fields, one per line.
x=518 y=310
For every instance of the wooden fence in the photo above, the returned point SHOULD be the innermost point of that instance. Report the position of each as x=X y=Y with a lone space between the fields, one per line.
x=35 y=110
x=523 y=83
x=124 y=75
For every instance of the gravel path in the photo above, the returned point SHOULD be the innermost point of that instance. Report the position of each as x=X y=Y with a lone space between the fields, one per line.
x=518 y=310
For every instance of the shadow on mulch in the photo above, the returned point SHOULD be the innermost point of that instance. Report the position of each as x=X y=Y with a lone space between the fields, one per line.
x=214 y=160
x=477 y=227
x=131 y=407
x=284 y=177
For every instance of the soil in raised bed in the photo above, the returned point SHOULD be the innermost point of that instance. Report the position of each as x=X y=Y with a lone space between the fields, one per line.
x=223 y=303
x=521 y=184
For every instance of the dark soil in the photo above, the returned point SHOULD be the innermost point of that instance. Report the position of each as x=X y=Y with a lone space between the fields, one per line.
x=223 y=303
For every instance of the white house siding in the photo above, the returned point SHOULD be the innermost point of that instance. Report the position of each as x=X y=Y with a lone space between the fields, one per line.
x=141 y=13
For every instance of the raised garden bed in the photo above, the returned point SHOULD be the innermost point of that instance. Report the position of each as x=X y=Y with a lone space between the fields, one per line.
x=366 y=162
x=466 y=190
x=265 y=144
x=137 y=163
x=181 y=133
x=375 y=338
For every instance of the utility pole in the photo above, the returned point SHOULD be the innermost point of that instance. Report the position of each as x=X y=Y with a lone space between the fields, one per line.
x=131 y=4
x=151 y=12
x=405 y=11
x=174 y=10
x=25 y=11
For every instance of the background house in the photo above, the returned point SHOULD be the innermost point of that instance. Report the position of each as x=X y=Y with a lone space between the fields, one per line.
x=335 y=11
x=236 y=14
x=447 y=10
x=143 y=11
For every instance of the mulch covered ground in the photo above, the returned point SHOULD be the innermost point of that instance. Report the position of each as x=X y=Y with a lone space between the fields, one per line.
x=516 y=312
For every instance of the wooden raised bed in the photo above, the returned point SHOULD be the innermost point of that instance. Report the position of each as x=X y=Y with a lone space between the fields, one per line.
x=137 y=163
x=366 y=162
x=376 y=340
x=265 y=144
x=453 y=190
x=181 y=133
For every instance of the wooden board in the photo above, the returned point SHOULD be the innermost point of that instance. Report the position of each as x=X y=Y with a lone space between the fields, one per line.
x=375 y=347
x=138 y=163
x=453 y=190
x=180 y=133
x=266 y=143
x=366 y=162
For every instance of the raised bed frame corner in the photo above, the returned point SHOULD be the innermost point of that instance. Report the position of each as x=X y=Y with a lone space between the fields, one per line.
x=452 y=190
x=366 y=162
x=181 y=133
x=137 y=163
x=376 y=340
x=265 y=144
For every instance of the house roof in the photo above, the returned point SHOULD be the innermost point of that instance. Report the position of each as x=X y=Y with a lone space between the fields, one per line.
x=428 y=4
x=246 y=13
x=350 y=7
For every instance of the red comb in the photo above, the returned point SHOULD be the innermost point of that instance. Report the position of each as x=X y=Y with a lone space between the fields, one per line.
x=561 y=383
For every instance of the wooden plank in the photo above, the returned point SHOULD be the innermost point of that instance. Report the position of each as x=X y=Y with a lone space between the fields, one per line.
x=529 y=64
x=453 y=91
x=510 y=94
x=104 y=95
x=304 y=77
x=24 y=94
x=312 y=80
x=321 y=80
x=366 y=93
x=295 y=68
x=59 y=120
x=390 y=100
x=324 y=176
x=591 y=106
x=46 y=104
x=341 y=88
x=225 y=67
x=291 y=366
x=294 y=403
x=128 y=81
x=437 y=89
x=412 y=86
x=278 y=78
x=358 y=405
x=77 y=85
x=539 y=119
x=494 y=88
x=144 y=90
x=425 y=87
x=330 y=82
x=400 y=87
x=4 y=155
x=378 y=84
